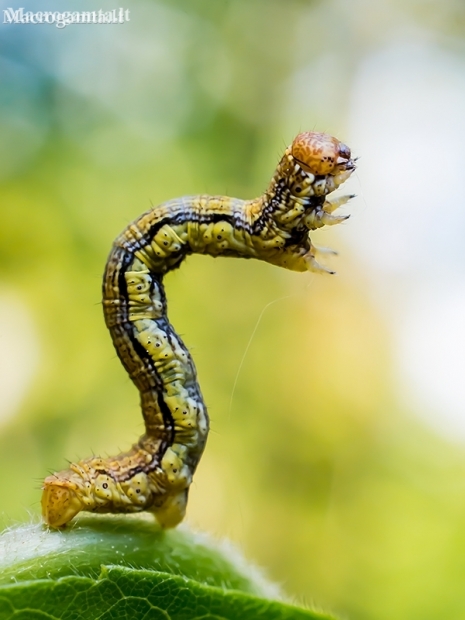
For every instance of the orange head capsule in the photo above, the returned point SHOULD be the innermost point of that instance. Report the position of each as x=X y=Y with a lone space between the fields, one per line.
x=319 y=153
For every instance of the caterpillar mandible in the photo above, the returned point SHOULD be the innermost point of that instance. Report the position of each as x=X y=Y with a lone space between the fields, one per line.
x=155 y=474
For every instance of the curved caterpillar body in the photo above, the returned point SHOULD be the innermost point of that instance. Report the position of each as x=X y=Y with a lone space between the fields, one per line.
x=155 y=474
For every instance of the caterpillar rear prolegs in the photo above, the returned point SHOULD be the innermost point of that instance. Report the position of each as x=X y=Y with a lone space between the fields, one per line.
x=156 y=473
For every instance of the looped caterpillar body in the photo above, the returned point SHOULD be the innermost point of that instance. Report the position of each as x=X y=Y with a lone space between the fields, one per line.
x=155 y=474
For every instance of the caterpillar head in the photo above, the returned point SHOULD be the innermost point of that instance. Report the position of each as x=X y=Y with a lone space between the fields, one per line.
x=321 y=154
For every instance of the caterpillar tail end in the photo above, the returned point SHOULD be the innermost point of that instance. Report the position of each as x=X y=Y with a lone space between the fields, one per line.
x=59 y=502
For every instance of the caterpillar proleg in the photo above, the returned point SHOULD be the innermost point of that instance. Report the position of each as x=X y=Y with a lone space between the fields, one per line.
x=155 y=474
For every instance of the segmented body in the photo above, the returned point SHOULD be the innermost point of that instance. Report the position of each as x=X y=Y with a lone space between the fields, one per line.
x=157 y=472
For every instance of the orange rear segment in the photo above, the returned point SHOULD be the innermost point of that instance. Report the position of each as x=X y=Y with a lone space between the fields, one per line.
x=59 y=503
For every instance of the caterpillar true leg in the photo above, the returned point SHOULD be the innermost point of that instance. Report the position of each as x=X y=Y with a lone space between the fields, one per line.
x=331 y=205
x=155 y=474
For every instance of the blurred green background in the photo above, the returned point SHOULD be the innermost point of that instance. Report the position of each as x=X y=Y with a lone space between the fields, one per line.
x=317 y=464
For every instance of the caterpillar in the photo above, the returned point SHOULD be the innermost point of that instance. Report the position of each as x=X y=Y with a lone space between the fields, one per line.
x=155 y=474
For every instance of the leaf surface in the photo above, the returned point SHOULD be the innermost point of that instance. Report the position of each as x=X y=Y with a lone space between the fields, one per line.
x=112 y=568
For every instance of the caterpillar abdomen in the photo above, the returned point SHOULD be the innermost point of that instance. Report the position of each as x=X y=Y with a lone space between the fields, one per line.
x=157 y=472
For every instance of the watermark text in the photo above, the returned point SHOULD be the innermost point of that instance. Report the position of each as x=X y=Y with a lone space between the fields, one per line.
x=61 y=20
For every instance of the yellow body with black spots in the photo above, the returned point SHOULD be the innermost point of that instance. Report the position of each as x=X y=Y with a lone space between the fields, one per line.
x=156 y=473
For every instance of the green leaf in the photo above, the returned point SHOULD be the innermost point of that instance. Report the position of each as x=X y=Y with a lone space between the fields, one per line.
x=126 y=567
